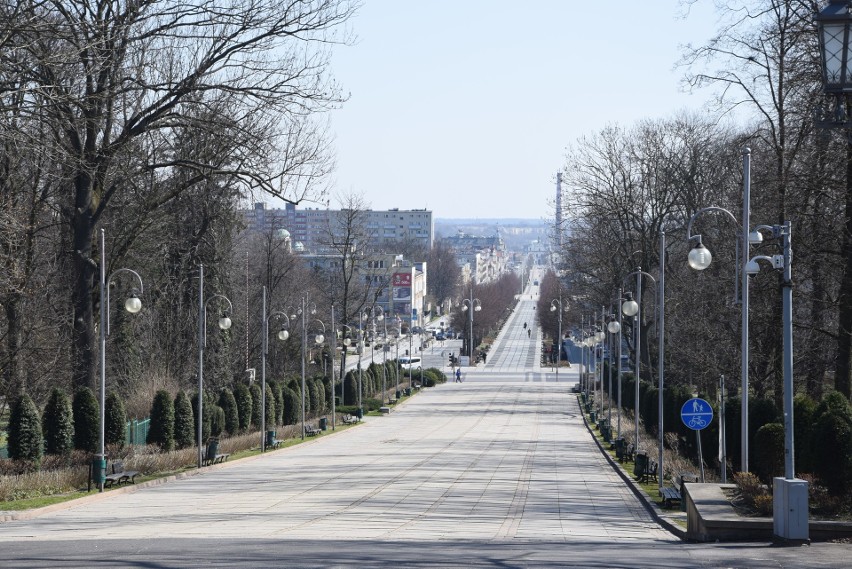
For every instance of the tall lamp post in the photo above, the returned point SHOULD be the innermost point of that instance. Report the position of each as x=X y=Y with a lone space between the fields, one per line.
x=307 y=307
x=790 y=498
x=632 y=308
x=613 y=327
x=700 y=258
x=283 y=334
x=556 y=306
x=132 y=305
x=471 y=305
x=834 y=23
x=224 y=324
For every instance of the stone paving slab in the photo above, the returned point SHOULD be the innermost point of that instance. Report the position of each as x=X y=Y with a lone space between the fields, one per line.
x=463 y=461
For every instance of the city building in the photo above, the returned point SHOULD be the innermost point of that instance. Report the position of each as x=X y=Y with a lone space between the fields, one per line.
x=309 y=228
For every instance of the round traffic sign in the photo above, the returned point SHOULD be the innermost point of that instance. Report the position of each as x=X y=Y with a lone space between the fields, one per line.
x=696 y=414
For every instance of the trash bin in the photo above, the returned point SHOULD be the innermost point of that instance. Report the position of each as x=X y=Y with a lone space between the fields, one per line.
x=323 y=424
x=99 y=470
x=359 y=412
x=605 y=431
x=619 y=449
x=270 y=438
x=398 y=394
x=640 y=464
x=407 y=392
x=212 y=450
x=592 y=416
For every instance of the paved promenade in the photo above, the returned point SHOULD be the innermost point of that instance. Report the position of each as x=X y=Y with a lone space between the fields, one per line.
x=498 y=471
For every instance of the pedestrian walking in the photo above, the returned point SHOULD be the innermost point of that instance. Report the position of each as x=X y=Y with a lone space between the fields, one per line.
x=458 y=375
x=529 y=333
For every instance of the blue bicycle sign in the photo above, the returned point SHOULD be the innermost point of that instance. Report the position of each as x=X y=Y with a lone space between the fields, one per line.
x=696 y=414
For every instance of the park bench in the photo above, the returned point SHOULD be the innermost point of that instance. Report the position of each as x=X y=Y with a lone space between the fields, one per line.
x=349 y=419
x=312 y=431
x=670 y=494
x=650 y=472
x=119 y=475
x=627 y=453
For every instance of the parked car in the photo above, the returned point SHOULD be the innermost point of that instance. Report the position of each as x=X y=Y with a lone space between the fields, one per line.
x=440 y=336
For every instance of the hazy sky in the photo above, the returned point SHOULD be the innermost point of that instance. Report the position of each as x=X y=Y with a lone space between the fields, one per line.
x=465 y=107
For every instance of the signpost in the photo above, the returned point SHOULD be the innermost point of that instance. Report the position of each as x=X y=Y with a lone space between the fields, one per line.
x=696 y=414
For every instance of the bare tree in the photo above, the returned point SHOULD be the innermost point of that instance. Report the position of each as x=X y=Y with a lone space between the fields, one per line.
x=118 y=81
x=444 y=273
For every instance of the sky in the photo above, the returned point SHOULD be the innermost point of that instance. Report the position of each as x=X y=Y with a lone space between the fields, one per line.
x=466 y=107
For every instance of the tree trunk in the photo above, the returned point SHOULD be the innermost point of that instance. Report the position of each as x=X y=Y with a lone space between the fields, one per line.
x=12 y=376
x=84 y=359
x=844 y=327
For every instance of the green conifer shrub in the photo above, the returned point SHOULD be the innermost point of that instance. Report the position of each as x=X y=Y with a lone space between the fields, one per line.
x=115 y=421
x=184 y=430
x=24 y=430
x=229 y=407
x=244 y=405
x=58 y=424
x=86 y=420
x=162 y=428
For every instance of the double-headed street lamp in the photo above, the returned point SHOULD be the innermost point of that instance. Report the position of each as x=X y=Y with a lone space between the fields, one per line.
x=556 y=306
x=790 y=496
x=700 y=258
x=224 y=324
x=303 y=311
x=471 y=305
x=283 y=334
x=361 y=317
x=132 y=305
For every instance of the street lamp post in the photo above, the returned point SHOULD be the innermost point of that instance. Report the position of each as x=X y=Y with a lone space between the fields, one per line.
x=398 y=336
x=834 y=24
x=132 y=305
x=557 y=302
x=599 y=338
x=334 y=373
x=283 y=334
x=700 y=258
x=790 y=510
x=224 y=324
x=303 y=311
x=613 y=327
x=471 y=305
x=632 y=307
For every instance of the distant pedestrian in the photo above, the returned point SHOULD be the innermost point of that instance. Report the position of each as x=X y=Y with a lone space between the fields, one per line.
x=529 y=333
x=483 y=357
x=458 y=375
x=525 y=325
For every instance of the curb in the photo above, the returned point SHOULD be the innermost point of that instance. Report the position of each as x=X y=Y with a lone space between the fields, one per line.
x=672 y=528
x=23 y=515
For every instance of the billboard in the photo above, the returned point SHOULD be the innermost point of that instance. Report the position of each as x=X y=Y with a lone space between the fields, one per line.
x=401 y=293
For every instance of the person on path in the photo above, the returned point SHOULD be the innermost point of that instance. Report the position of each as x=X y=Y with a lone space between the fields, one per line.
x=529 y=333
x=458 y=375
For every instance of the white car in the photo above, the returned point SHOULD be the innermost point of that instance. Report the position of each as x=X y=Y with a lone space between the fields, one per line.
x=410 y=363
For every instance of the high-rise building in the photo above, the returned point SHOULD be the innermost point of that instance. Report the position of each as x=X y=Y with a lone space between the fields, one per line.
x=309 y=227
